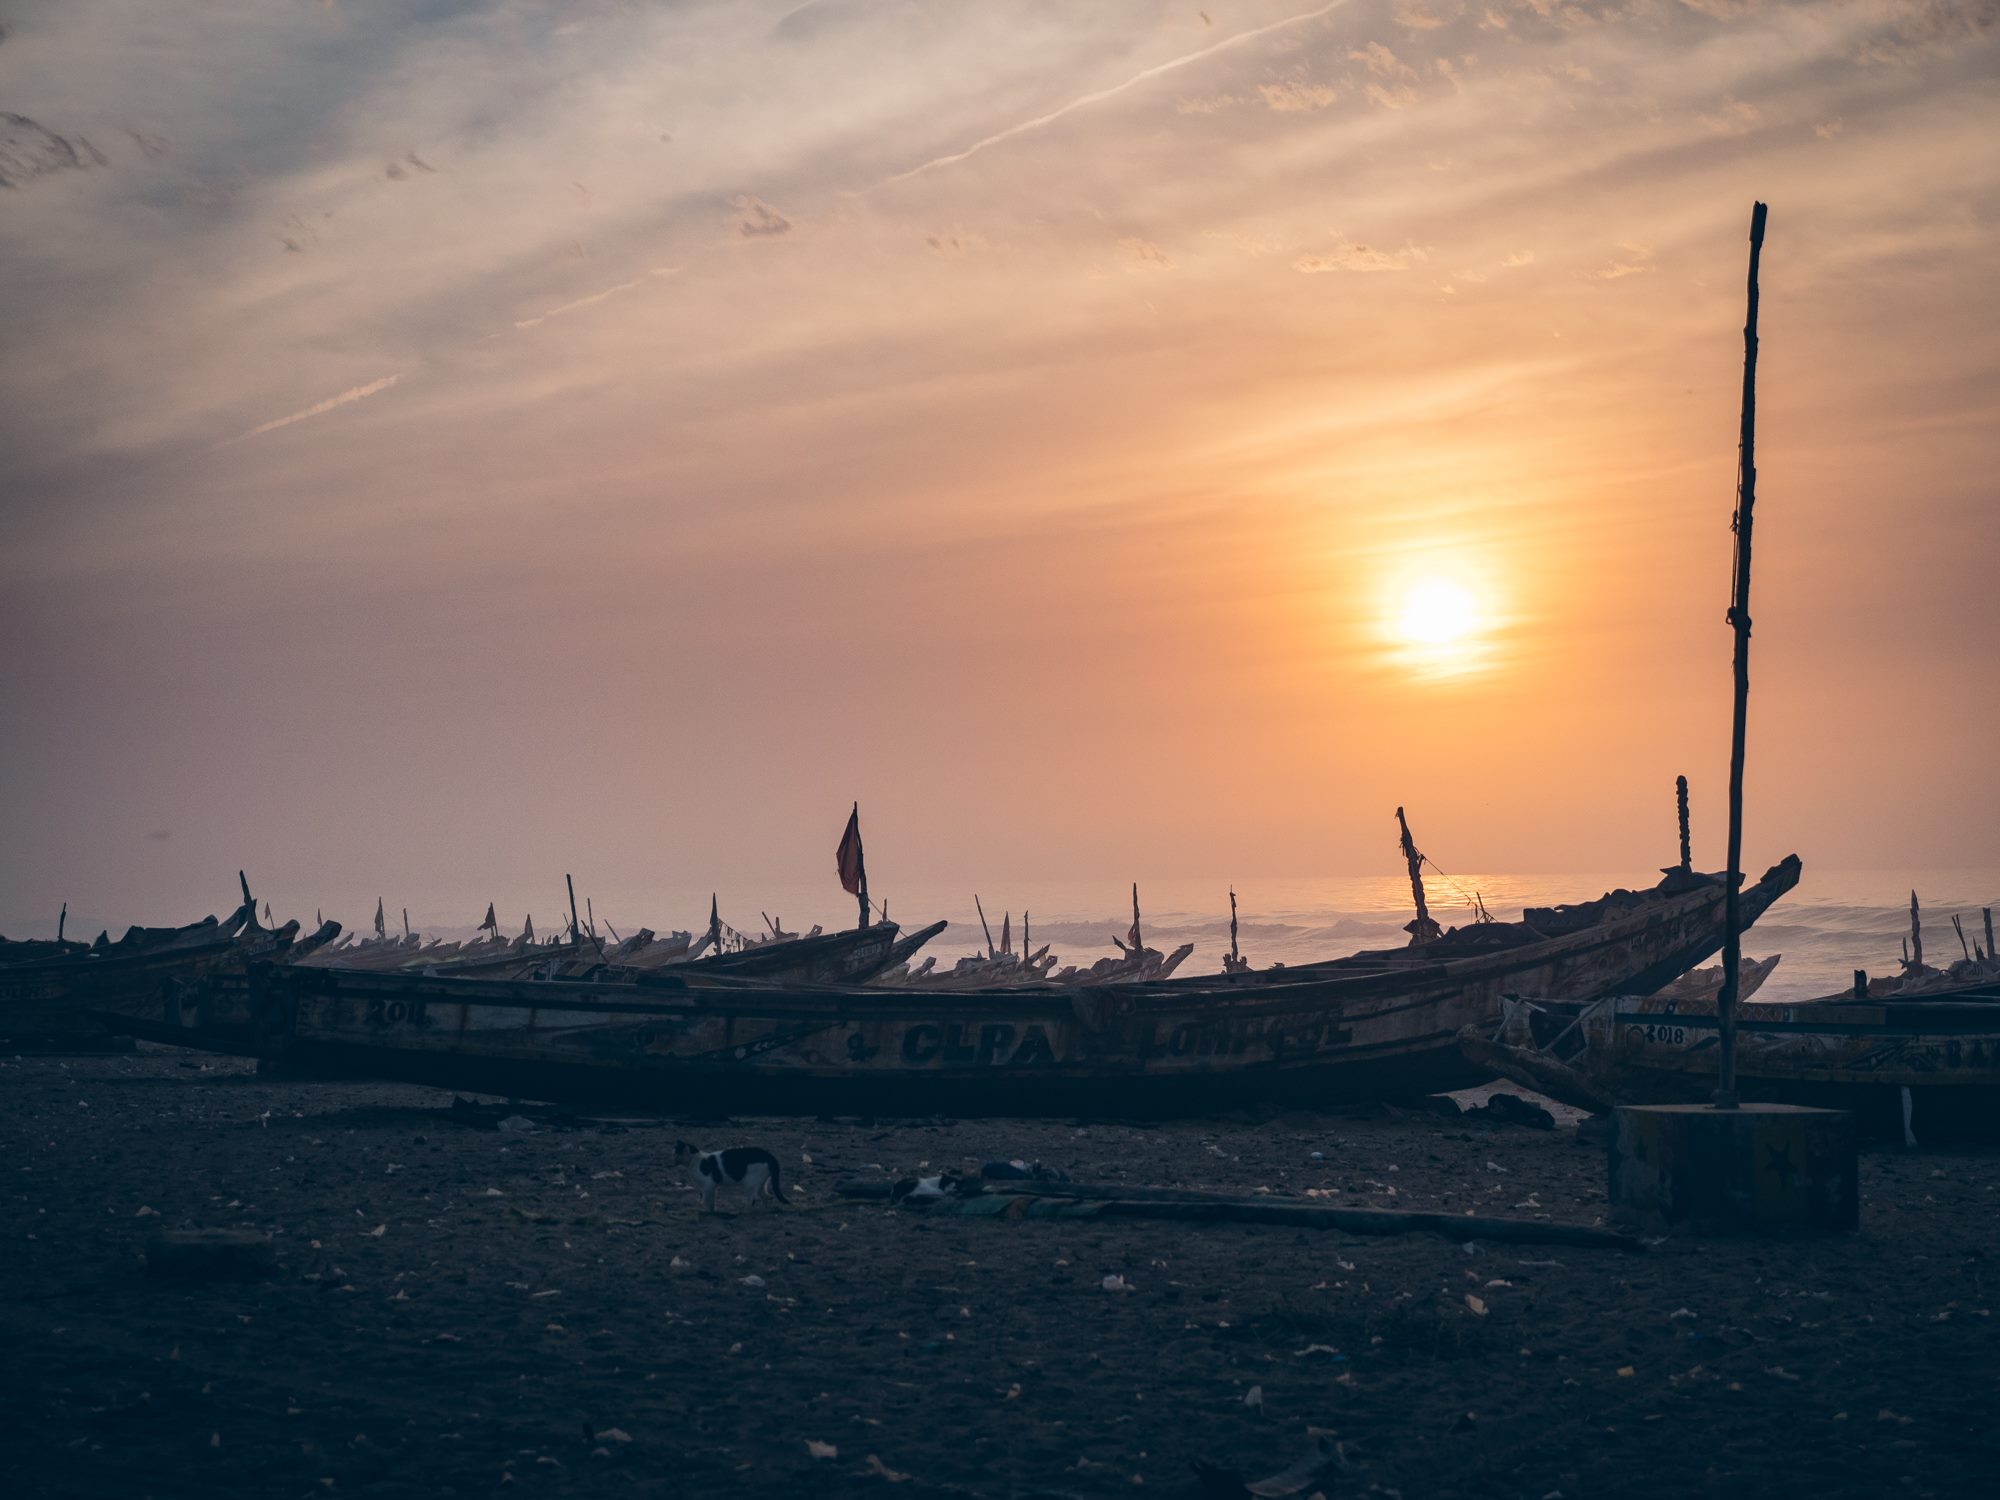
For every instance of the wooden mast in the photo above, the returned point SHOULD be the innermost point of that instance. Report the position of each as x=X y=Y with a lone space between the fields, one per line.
x=1681 y=797
x=1423 y=929
x=1739 y=619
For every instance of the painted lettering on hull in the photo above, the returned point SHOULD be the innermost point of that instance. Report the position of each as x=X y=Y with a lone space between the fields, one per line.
x=1000 y=1044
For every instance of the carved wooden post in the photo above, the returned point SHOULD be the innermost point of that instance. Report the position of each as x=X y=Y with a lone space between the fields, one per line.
x=1681 y=797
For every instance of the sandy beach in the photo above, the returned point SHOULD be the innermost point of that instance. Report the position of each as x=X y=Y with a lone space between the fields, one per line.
x=465 y=1310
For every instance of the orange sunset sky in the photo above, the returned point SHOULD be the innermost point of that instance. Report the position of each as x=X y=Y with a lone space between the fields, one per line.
x=443 y=444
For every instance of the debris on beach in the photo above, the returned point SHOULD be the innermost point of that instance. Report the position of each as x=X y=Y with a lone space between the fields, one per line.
x=1314 y=1469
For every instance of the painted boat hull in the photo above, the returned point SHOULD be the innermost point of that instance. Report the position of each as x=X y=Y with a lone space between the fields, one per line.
x=1297 y=1038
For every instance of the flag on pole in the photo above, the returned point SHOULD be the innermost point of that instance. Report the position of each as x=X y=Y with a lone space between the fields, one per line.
x=853 y=875
x=1132 y=938
x=381 y=919
x=492 y=922
x=528 y=931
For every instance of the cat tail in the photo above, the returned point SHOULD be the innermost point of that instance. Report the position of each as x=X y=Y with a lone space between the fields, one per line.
x=777 y=1191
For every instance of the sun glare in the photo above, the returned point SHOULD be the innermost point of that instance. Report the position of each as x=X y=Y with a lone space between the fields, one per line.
x=1436 y=627
x=1436 y=612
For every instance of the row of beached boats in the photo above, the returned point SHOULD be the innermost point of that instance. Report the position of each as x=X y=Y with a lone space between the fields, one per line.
x=1595 y=1003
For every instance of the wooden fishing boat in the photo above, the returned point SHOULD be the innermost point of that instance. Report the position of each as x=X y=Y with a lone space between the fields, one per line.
x=850 y=957
x=221 y=1016
x=59 y=1001
x=976 y=971
x=1378 y=1026
x=1926 y=1066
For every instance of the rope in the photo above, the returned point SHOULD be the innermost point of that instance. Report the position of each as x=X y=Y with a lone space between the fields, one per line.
x=1471 y=898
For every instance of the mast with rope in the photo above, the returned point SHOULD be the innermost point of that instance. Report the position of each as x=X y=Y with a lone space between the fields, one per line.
x=1423 y=929
x=1234 y=962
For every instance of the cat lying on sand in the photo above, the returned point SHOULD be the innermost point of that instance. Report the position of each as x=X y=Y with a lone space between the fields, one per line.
x=751 y=1170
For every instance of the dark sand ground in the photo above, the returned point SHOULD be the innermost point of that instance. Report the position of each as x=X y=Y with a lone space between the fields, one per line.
x=473 y=1312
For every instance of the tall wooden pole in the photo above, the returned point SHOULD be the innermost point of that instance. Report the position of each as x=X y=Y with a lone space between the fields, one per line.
x=575 y=932
x=1423 y=929
x=1739 y=618
x=1681 y=797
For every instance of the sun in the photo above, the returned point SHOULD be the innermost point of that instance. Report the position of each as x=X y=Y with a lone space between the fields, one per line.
x=1436 y=613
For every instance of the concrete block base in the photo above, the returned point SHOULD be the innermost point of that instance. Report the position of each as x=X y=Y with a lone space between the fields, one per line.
x=1761 y=1167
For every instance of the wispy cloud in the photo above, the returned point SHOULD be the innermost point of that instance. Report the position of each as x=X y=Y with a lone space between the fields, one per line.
x=1098 y=96
x=317 y=409
x=1636 y=261
x=1296 y=96
x=595 y=297
x=1352 y=257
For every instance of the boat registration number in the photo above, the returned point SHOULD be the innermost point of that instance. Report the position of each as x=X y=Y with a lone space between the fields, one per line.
x=383 y=1012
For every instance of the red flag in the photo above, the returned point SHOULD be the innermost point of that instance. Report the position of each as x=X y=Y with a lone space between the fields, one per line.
x=853 y=876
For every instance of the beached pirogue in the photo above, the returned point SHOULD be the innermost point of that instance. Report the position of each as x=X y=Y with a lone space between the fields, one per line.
x=1915 y=1056
x=1376 y=1025
x=54 y=993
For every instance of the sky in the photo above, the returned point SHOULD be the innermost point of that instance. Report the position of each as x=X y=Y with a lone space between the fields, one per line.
x=443 y=444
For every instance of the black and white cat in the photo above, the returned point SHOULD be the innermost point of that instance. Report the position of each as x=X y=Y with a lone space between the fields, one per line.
x=927 y=1189
x=751 y=1170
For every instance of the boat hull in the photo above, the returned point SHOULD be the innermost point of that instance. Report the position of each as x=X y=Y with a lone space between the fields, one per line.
x=61 y=1005
x=1860 y=1056
x=1176 y=1048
